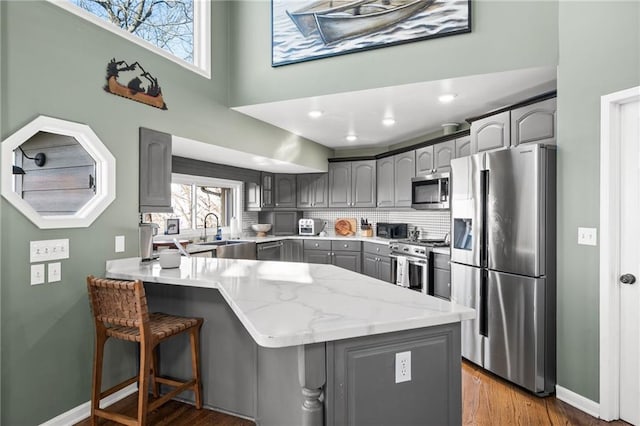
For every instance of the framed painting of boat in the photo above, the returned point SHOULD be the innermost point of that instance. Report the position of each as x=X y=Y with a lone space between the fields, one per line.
x=303 y=30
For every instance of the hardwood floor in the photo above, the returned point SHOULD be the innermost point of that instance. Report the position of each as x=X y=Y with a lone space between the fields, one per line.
x=487 y=400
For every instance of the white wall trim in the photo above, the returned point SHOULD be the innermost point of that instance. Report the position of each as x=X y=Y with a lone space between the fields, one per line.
x=580 y=402
x=609 y=407
x=83 y=411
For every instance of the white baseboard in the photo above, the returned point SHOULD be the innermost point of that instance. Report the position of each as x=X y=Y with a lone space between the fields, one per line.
x=580 y=402
x=83 y=411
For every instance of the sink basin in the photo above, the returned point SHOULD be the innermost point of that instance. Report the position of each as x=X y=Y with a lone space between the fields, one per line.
x=221 y=243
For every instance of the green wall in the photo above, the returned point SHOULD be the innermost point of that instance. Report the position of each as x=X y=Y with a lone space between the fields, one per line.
x=54 y=63
x=599 y=54
x=505 y=35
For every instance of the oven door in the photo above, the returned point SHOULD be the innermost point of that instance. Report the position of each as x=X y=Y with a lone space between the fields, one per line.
x=418 y=271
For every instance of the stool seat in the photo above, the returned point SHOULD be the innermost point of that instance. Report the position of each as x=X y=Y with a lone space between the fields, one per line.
x=162 y=326
x=120 y=311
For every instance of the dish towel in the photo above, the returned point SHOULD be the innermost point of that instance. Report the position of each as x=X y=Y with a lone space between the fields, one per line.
x=402 y=275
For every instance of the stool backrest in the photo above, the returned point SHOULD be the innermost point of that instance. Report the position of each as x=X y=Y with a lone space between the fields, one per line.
x=117 y=302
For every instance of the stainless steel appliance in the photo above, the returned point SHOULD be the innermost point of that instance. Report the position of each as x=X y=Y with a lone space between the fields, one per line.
x=503 y=261
x=232 y=249
x=410 y=261
x=391 y=230
x=310 y=226
x=146 y=232
x=430 y=192
x=270 y=251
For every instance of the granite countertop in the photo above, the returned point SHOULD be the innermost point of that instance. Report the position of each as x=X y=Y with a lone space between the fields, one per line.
x=286 y=304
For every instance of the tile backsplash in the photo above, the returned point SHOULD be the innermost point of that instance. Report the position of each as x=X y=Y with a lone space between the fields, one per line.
x=431 y=223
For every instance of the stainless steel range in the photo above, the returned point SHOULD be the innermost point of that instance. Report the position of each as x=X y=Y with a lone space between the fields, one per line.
x=411 y=262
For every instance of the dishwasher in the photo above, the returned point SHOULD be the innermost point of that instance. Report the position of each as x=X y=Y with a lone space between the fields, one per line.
x=269 y=251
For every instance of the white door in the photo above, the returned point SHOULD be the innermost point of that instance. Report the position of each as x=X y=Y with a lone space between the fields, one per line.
x=630 y=262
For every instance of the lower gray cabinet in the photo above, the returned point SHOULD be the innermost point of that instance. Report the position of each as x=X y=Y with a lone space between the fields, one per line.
x=292 y=251
x=376 y=263
x=361 y=385
x=317 y=256
x=345 y=254
x=440 y=275
x=350 y=260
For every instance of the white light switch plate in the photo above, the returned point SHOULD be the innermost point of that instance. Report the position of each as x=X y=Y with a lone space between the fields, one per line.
x=54 y=272
x=588 y=236
x=119 y=243
x=42 y=251
x=37 y=274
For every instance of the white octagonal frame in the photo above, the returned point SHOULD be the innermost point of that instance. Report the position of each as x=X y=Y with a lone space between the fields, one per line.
x=105 y=172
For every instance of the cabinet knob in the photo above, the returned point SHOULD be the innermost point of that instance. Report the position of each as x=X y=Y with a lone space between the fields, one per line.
x=378 y=249
x=346 y=245
x=317 y=245
x=277 y=204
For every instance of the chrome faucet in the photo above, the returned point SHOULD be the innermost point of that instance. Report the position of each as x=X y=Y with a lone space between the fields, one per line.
x=205 y=224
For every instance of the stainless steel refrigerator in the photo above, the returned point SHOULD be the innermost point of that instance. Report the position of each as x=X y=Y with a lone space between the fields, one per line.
x=503 y=261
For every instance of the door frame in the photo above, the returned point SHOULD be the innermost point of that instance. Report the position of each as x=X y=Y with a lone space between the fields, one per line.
x=610 y=140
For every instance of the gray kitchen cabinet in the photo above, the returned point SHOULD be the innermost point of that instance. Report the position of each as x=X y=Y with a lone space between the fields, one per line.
x=376 y=262
x=490 y=133
x=385 y=179
x=282 y=222
x=363 y=388
x=312 y=190
x=317 y=256
x=535 y=123
x=285 y=191
x=440 y=275
x=405 y=169
x=292 y=251
x=352 y=184
x=462 y=147
x=154 y=171
x=443 y=153
x=424 y=161
x=350 y=260
x=260 y=195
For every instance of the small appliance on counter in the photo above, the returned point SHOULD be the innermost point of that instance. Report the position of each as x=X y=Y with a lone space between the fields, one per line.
x=146 y=232
x=310 y=226
x=391 y=230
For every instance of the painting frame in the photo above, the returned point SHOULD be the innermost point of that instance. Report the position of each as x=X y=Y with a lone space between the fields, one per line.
x=286 y=33
x=172 y=226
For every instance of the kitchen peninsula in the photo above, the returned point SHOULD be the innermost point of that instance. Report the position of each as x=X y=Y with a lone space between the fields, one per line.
x=295 y=343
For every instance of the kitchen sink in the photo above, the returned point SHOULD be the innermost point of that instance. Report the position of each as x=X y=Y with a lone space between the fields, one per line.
x=233 y=249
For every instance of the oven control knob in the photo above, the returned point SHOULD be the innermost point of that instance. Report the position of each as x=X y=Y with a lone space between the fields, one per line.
x=405 y=249
x=421 y=252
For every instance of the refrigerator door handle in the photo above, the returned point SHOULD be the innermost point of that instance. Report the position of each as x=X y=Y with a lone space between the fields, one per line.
x=483 y=305
x=484 y=249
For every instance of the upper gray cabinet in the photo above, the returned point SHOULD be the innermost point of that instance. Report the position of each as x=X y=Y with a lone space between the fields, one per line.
x=424 y=161
x=443 y=153
x=260 y=195
x=491 y=132
x=352 y=184
x=312 y=190
x=155 y=171
x=405 y=167
x=462 y=147
x=534 y=123
x=285 y=191
x=386 y=184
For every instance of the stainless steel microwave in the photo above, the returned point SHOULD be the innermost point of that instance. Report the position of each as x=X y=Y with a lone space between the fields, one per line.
x=430 y=191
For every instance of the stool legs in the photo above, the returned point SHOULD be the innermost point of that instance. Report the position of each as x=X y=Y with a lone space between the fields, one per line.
x=143 y=383
x=98 y=357
x=155 y=386
x=194 y=337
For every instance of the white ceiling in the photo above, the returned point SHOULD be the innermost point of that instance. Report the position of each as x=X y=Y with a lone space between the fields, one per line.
x=415 y=107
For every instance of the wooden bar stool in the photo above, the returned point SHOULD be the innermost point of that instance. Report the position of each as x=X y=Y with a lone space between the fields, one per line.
x=120 y=311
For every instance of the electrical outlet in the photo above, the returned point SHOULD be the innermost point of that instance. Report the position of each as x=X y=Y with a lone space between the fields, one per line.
x=37 y=274
x=588 y=236
x=119 y=243
x=54 y=272
x=403 y=367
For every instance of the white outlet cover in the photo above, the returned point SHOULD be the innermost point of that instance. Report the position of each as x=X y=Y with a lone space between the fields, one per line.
x=54 y=272
x=588 y=236
x=37 y=274
x=119 y=243
x=403 y=367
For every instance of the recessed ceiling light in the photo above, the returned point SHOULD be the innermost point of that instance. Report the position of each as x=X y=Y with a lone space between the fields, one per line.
x=445 y=99
x=351 y=138
x=388 y=121
x=316 y=113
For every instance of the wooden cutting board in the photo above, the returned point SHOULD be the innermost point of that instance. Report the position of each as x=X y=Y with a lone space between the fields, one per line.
x=346 y=227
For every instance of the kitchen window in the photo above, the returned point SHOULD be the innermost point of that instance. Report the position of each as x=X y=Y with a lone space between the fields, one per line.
x=179 y=30
x=193 y=197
